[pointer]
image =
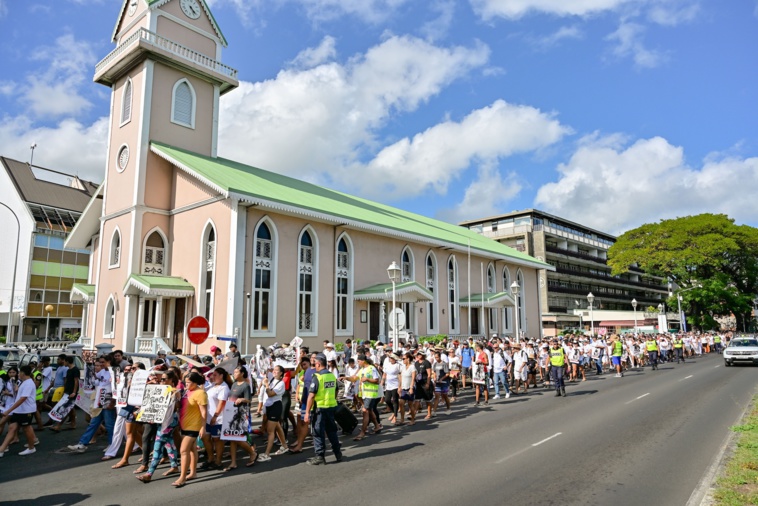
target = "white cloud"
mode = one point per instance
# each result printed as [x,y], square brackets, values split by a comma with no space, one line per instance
[313,56]
[55,91]
[628,39]
[515,9]
[613,186]
[3,8]
[485,196]
[555,38]
[673,13]
[371,11]
[438,27]
[68,146]
[306,121]
[431,160]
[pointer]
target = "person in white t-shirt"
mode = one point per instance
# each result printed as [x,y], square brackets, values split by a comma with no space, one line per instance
[218,394]
[391,383]
[22,413]
[520,370]
[272,401]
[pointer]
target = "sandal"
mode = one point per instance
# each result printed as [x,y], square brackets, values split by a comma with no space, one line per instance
[178,484]
[359,438]
[106,458]
[120,465]
[229,468]
[140,469]
[252,461]
[144,478]
[282,451]
[173,470]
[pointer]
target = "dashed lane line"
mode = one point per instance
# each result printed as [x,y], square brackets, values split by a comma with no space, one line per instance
[547,439]
[687,377]
[637,398]
[516,454]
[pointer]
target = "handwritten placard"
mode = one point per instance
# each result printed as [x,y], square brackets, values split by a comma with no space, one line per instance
[155,404]
[137,390]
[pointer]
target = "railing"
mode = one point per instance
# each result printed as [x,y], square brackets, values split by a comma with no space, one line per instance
[615,279]
[557,309]
[504,230]
[150,345]
[167,45]
[306,322]
[575,237]
[600,294]
[575,254]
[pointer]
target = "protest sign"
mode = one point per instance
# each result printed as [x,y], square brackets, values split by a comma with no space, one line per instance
[236,422]
[229,365]
[121,392]
[89,383]
[191,362]
[102,397]
[155,404]
[137,390]
[86,402]
[142,360]
[61,410]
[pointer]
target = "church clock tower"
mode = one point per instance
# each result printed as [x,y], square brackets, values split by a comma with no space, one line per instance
[166,80]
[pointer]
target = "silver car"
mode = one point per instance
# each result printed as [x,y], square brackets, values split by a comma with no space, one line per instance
[742,350]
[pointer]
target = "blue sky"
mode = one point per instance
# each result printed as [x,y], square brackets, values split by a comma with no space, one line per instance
[608,112]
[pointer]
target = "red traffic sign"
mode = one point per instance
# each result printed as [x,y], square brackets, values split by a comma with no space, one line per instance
[198,329]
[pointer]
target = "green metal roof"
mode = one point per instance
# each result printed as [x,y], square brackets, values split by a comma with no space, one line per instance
[152,285]
[404,292]
[268,189]
[82,292]
[500,299]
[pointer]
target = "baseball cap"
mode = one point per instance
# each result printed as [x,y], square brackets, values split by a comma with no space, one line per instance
[214,348]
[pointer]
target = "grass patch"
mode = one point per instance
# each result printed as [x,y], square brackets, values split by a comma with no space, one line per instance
[738,485]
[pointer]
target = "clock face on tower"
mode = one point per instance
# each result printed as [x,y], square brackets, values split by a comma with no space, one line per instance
[191,8]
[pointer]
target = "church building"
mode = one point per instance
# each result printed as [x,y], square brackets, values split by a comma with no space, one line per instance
[176,231]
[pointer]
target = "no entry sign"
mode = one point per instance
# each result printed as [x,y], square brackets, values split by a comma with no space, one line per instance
[198,329]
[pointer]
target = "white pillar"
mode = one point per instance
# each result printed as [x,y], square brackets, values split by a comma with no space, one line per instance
[140,315]
[171,317]
[158,331]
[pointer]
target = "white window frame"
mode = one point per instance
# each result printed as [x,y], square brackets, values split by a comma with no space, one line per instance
[149,317]
[128,86]
[522,323]
[410,275]
[272,291]
[203,289]
[193,111]
[109,319]
[118,250]
[349,274]
[507,311]
[155,251]
[453,308]
[432,307]
[313,270]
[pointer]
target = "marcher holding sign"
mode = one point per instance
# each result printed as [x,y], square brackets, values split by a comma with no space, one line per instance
[192,421]
[237,422]
[169,395]
[155,403]
[218,394]
[70,391]
[137,388]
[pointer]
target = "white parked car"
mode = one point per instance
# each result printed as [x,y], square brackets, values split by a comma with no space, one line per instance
[742,350]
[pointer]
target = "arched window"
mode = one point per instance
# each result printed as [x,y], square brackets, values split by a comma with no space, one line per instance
[452,290]
[126,103]
[115,253]
[109,323]
[154,257]
[306,283]
[491,288]
[344,281]
[408,274]
[207,272]
[507,311]
[183,104]
[431,282]
[521,298]
[262,315]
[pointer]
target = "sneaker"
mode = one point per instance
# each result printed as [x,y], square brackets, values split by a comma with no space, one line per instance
[78,448]
[2,454]
[263,457]
[507,395]
[36,442]
[28,451]
[316,461]
[497,396]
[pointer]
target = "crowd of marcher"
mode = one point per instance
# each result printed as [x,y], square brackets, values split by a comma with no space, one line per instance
[310,394]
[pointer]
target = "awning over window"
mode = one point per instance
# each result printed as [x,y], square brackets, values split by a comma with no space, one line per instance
[500,299]
[409,291]
[83,293]
[155,286]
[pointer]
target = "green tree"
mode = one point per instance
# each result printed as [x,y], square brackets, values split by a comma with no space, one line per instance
[708,250]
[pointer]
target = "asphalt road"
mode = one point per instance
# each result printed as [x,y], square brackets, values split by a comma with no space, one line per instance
[647,438]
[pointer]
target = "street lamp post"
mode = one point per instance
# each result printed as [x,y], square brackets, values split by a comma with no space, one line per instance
[682,318]
[591,300]
[48,309]
[515,289]
[13,282]
[393,271]
[634,306]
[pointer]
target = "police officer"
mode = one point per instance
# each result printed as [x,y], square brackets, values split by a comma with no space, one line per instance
[679,349]
[617,351]
[652,352]
[322,404]
[717,343]
[557,363]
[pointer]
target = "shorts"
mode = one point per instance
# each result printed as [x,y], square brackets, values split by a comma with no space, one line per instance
[274,412]
[23,419]
[441,388]
[370,404]
[213,430]
[422,394]
[466,371]
[128,413]
[616,360]
[190,433]
[520,375]
[406,395]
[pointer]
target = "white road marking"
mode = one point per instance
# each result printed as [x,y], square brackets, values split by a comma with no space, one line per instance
[688,377]
[511,456]
[638,398]
[547,439]
[717,366]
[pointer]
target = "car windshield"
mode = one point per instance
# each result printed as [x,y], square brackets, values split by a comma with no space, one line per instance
[8,355]
[745,342]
